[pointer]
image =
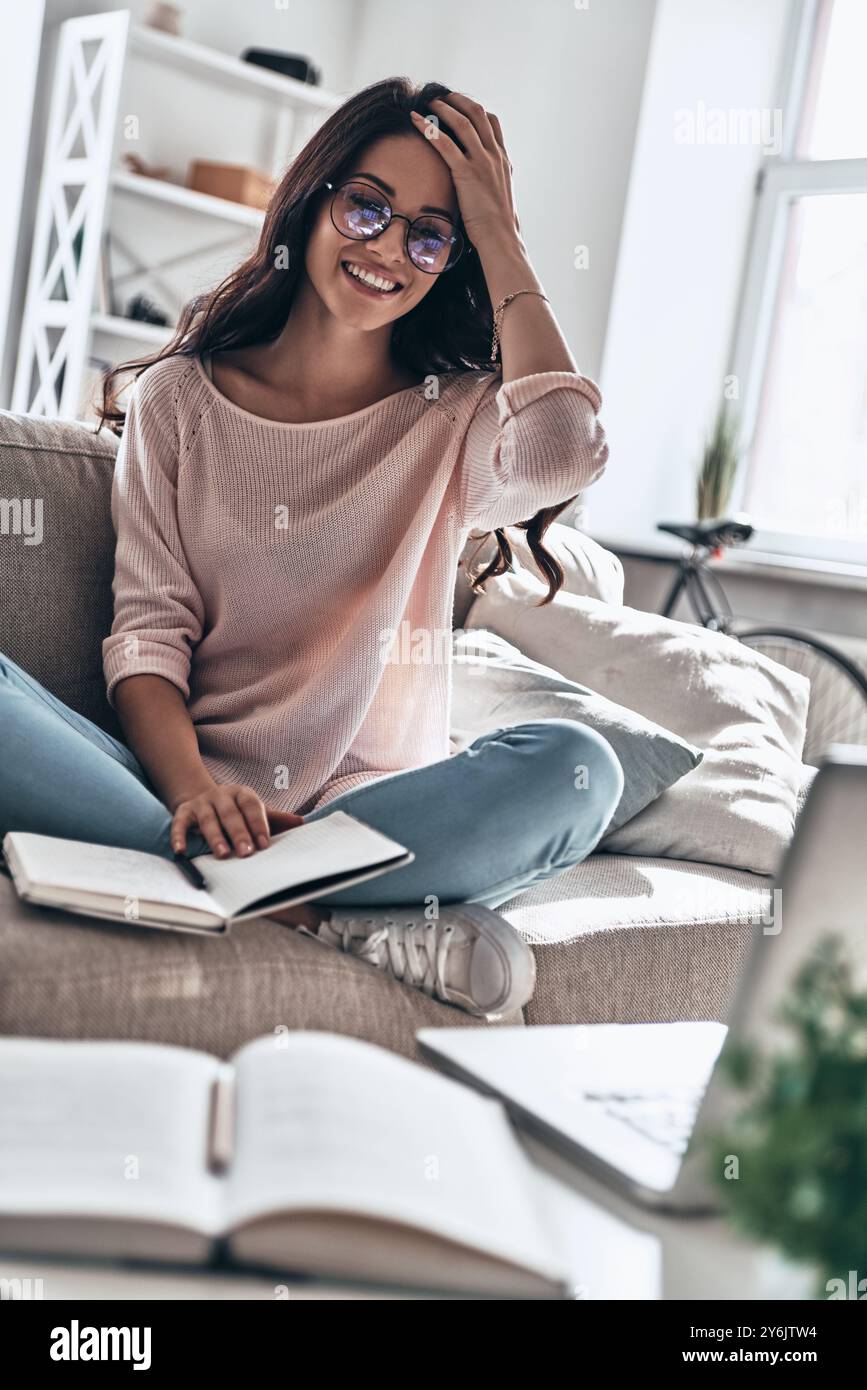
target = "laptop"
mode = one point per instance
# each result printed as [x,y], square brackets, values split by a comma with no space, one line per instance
[635,1104]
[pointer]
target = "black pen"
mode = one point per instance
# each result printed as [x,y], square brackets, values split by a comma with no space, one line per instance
[189,871]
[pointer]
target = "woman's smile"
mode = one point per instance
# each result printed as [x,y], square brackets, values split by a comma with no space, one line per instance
[368,281]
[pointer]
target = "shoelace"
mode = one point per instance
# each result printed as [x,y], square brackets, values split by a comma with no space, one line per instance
[422,964]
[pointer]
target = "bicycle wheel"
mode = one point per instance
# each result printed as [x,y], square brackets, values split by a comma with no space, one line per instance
[838,689]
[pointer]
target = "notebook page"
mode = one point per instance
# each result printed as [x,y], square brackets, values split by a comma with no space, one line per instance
[107,1129]
[123,873]
[337,843]
[332,1122]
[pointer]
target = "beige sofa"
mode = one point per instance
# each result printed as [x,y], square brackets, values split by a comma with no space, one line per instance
[616,939]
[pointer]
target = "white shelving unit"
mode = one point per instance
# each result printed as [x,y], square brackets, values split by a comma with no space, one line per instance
[117,87]
[188,198]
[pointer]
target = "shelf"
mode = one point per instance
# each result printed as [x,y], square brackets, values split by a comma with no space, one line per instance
[246,78]
[162,229]
[189,199]
[115,327]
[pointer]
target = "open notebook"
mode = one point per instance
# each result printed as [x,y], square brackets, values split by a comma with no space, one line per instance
[306,1152]
[127,885]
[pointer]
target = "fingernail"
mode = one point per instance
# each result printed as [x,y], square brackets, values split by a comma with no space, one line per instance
[222,850]
[262,841]
[246,848]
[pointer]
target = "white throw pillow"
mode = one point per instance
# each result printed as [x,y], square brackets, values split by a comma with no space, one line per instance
[588,568]
[747,713]
[495,685]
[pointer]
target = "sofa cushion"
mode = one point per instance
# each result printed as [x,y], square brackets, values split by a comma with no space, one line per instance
[619,939]
[494,685]
[56,603]
[71,977]
[748,715]
[588,569]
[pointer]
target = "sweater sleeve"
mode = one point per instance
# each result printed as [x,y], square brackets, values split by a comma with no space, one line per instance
[532,443]
[158,611]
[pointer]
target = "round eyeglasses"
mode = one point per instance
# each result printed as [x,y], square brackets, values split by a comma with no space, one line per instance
[361,212]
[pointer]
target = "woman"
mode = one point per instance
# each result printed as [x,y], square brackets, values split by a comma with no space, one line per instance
[298,473]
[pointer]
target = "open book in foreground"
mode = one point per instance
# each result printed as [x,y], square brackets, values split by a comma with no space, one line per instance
[127,885]
[306,1153]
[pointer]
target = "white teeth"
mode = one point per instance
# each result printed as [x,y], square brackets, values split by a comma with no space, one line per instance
[367,278]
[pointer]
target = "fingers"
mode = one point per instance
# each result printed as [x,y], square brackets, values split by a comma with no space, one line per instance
[181,822]
[255,816]
[498,131]
[282,820]
[442,143]
[233,821]
[229,818]
[195,813]
[208,822]
[469,119]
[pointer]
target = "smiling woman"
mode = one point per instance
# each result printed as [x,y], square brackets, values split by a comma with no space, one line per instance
[298,473]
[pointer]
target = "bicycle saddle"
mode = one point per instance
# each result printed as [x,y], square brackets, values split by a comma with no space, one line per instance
[735,530]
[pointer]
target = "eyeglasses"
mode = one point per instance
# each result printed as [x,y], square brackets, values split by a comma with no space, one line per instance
[359,211]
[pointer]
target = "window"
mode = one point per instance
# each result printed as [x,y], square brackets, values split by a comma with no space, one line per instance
[801,352]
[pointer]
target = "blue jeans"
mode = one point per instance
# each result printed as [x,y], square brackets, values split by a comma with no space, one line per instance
[518,805]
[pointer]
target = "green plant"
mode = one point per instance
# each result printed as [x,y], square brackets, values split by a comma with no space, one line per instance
[719,465]
[801,1142]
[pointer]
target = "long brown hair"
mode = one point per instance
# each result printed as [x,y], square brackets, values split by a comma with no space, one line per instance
[450,329]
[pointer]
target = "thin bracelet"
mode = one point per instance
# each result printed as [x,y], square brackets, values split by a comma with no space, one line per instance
[498,313]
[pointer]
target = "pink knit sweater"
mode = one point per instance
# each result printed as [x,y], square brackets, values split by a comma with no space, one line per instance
[295,581]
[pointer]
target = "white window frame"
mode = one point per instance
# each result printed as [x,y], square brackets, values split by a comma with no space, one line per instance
[781,180]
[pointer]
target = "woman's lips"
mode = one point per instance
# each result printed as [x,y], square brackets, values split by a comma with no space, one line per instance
[369,290]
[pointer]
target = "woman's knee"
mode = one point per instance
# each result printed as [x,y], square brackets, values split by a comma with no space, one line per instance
[574,761]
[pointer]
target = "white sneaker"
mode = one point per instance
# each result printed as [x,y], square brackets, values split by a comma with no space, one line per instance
[469,956]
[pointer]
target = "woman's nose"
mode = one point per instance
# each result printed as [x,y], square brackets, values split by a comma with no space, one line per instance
[391,243]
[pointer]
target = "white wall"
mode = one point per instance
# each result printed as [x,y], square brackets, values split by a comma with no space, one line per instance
[566,84]
[681,257]
[323,30]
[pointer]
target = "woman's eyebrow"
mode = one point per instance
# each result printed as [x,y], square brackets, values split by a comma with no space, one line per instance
[374,178]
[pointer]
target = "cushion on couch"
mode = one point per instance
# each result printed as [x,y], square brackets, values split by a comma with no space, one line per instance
[619,939]
[747,713]
[56,602]
[494,684]
[588,569]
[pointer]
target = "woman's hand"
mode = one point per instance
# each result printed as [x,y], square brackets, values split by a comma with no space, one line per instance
[530,337]
[483,175]
[229,817]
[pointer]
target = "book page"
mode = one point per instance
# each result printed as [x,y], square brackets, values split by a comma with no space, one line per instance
[337,843]
[125,874]
[332,1123]
[108,1129]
